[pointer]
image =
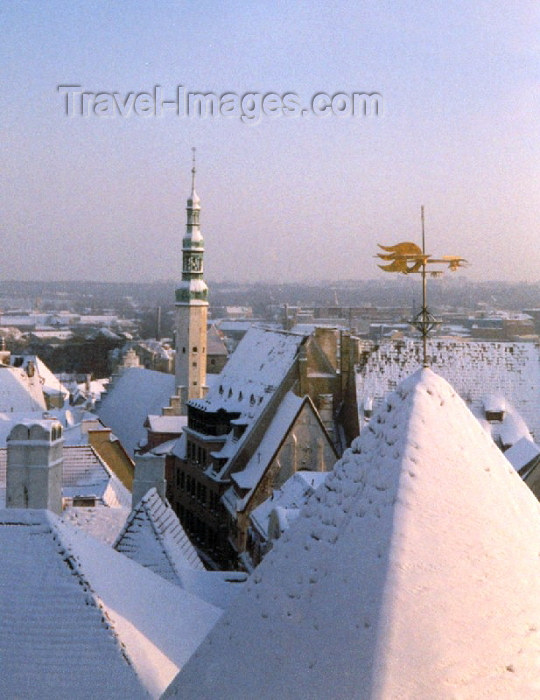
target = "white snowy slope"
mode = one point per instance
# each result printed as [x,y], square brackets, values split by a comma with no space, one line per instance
[136,394]
[412,572]
[80,620]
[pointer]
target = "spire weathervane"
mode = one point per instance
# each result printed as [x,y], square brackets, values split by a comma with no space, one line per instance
[408,258]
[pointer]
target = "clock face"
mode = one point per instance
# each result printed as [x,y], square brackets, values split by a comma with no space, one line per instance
[193,264]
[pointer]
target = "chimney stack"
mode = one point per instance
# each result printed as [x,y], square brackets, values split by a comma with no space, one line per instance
[35,465]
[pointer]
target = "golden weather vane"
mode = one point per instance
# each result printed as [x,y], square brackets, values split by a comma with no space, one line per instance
[408,258]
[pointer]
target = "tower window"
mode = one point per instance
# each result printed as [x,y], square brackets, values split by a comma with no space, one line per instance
[194,348]
[184,350]
[194,364]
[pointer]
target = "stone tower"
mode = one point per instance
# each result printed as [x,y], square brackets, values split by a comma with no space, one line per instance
[191,308]
[35,465]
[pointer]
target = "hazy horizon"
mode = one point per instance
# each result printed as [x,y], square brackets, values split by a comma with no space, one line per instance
[287,199]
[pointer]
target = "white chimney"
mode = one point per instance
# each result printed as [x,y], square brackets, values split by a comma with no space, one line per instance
[149,473]
[35,465]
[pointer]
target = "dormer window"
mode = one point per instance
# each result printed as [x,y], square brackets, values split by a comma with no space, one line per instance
[495,416]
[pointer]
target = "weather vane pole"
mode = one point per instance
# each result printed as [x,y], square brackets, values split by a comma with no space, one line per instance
[408,258]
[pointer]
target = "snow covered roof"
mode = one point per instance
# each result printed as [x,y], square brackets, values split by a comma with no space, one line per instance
[255,369]
[19,392]
[287,500]
[166,424]
[49,382]
[474,369]
[81,620]
[281,422]
[154,537]
[413,571]
[134,395]
[84,474]
[502,421]
[214,342]
[522,453]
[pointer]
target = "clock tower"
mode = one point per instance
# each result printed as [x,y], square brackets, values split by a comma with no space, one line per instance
[191,308]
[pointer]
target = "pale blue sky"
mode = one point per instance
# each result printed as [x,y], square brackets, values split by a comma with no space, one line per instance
[285,199]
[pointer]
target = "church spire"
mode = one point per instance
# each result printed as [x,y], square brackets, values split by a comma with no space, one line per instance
[193,199]
[191,306]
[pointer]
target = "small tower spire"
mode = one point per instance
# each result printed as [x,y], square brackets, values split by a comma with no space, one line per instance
[193,169]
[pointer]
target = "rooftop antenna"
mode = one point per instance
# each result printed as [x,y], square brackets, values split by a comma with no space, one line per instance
[408,258]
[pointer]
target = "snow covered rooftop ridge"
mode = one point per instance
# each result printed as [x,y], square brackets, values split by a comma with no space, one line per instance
[154,537]
[257,366]
[413,571]
[474,368]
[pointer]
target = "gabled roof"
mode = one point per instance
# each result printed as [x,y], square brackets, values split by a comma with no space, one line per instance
[248,478]
[256,368]
[413,571]
[214,342]
[281,423]
[154,537]
[134,395]
[80,620]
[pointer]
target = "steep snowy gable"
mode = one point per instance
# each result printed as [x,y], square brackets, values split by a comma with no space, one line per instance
[413,571]
[154,537]
[474,368]
[133,396]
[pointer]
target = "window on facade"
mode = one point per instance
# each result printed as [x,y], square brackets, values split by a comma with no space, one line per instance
[194,364]
[194,348]
[184,351]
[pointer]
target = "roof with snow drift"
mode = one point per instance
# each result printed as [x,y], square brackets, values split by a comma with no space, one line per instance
[413,571]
